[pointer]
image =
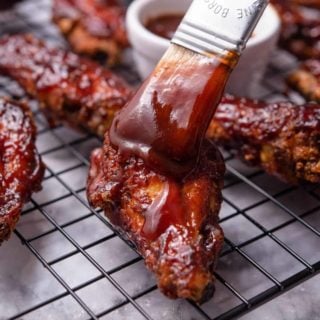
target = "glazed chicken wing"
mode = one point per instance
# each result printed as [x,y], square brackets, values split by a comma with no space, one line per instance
[174,224]
[159,180]
[21,169]
[92,27]
[180,248]
[306,80]
[281,138]
[300,35]
[69,88]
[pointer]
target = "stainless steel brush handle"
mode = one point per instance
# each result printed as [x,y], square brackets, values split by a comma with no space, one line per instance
[214,26]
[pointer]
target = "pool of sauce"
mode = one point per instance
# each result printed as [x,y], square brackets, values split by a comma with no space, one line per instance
[165,25]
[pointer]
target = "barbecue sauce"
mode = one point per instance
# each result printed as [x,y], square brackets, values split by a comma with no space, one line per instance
[166,121]
[165,25]
[158,217]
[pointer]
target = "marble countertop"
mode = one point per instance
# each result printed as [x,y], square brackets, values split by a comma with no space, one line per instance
[300,303]
[25,283]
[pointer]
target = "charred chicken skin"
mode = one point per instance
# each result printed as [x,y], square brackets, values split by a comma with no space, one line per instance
[69,88]
[300,35]
[92,27]
[174,225]
[306,80]
[281,138]
[21,169]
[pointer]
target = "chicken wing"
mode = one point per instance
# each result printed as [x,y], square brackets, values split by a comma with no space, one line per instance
[281,138]
[159,180]
[57,79]
[21,169]
[300,35]
[174,224]
[306,80]
[70,89]
[92,27]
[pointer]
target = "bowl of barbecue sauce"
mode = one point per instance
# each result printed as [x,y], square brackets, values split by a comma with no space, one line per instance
[164,25]
[151,24]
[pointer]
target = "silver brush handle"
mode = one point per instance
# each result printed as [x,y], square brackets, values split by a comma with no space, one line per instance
[216,26]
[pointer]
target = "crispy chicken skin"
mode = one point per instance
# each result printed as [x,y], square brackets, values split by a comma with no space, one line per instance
[21,169]
[174,224]
[306,80]
[92,27]
[299,35]
[70,89]
[284,139]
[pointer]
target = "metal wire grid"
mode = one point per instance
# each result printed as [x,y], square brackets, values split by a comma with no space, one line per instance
[250,217]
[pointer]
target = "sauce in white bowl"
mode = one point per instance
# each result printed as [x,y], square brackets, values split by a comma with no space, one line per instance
[149,46]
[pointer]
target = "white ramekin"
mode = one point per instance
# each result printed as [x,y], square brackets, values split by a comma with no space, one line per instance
[148,48]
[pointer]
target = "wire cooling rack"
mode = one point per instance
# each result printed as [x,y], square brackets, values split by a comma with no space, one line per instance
[71,264]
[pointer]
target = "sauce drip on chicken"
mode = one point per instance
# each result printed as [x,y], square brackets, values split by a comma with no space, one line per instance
[158,216]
